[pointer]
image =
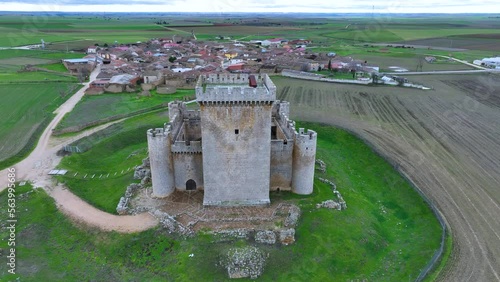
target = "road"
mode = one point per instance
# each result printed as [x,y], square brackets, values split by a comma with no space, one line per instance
[43,158]
[444,72]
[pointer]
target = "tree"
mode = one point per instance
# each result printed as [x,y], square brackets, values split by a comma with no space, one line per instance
[172,59]
[330,65]
[105,45]
[304,67]
[420,62]
[82,74]
[374,78]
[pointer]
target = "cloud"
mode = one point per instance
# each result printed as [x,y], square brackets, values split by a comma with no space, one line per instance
[221,6]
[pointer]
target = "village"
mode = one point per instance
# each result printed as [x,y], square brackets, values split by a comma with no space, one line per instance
[166,64]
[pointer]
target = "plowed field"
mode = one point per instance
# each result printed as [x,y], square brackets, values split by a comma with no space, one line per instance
[446,141]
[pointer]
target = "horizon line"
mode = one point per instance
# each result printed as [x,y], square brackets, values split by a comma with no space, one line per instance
[198,12]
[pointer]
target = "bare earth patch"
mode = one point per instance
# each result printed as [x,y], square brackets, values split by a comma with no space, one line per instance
[187,209]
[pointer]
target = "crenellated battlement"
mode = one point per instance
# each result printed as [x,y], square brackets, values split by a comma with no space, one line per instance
[157,132]
[305,137]
[234,88]
[193,147]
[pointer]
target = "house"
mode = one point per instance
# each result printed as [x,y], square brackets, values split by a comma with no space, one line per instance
[231,55]
[99,83]
[151,76]
[92,50]
[235,67]
[79,65]
[121,83]
[272,42]
[313,66]
[268,68]
[430,59]
[491,62]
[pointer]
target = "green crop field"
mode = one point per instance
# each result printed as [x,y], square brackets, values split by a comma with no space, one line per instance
[38,76]
[387,231]
[24,108]
[95,108]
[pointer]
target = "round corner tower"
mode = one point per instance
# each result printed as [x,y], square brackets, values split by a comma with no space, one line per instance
[304,158]
[162,168]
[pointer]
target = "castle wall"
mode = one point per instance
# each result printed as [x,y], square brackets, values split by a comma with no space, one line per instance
[188,166]
[281,165]
[304,157]
[192,129]
[162,168]
[236,153]
[234,88]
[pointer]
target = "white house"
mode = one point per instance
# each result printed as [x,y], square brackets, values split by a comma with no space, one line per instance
[272,42]
[491,62]
[92,50]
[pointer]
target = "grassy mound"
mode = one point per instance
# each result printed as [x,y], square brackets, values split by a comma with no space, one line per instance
[387,233]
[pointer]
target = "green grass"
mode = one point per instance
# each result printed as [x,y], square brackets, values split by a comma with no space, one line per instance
[59,67]
[38,54]
[34,77]
[115,150]
[94,108]
[336,75]
[387,233]
[24,108]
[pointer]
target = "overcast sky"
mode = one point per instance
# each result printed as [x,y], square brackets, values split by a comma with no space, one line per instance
[224,6]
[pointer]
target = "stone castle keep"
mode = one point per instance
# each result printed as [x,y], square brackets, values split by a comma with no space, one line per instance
[239,146]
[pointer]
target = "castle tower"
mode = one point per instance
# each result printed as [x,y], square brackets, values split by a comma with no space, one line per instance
[304,158]
[236,133]
[162,169]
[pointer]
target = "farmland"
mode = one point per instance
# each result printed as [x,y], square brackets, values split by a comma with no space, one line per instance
[26,107]
[445,141]
[28,98]
[94,108]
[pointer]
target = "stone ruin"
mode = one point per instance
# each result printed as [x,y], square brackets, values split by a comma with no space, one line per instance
[244,262]
[337,204]
[142,172]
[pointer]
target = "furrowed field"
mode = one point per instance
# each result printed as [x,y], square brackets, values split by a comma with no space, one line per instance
[446,141]
[28,98]
[92,109]
[26,110]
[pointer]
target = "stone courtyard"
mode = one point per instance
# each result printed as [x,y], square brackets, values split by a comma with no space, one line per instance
[186,208]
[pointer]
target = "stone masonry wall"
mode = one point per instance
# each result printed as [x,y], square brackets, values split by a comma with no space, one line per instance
[236,153]
[188,166]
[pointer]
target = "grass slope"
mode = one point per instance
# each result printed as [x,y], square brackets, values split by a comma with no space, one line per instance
[113,150]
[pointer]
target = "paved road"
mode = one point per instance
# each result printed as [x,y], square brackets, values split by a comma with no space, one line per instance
[36,166]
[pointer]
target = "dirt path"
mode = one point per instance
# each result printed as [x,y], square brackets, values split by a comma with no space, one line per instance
[82,212]
[36,166]
[447,142]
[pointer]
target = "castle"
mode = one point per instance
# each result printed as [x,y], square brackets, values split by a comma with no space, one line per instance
[239,146]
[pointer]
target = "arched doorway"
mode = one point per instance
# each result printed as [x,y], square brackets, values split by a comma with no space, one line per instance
[190,185]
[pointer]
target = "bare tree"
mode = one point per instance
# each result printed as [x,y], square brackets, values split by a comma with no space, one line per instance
[420,62]
[82,74]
